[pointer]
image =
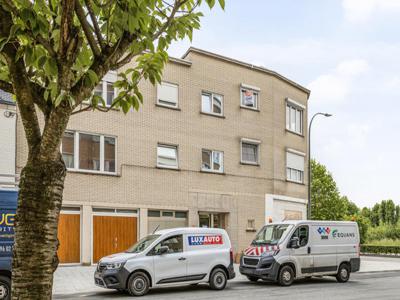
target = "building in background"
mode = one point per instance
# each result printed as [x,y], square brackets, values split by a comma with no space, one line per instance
[219,143]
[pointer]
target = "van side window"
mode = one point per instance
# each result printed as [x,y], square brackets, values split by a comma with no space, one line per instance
[302,233]
[174,243]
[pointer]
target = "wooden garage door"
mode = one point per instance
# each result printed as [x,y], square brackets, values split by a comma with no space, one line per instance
[69,236]
[112,235]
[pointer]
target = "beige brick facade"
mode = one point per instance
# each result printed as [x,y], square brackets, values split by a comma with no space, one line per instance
[240,191]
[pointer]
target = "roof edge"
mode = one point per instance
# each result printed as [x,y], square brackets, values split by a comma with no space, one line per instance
[179,61]
[247,65]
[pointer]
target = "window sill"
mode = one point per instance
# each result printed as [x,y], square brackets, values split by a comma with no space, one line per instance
[88,172]
[168,107]
[296,182]
[212,172]
[168,168]
[294,132]
[212,115]
[250,163]
[250,108]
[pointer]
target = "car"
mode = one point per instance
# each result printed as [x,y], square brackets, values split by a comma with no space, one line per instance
[170,257]
[283,252]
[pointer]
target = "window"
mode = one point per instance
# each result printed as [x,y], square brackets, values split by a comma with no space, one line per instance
[249,96]
[89,152]
[212,103]
[181,214]
[250,151]
[174,243]
[153,213]
[167,94]
[251,224]
[167,156]
[295,166]
[294,116]
[106,90]
[212,161]
[168,214]
[302,233]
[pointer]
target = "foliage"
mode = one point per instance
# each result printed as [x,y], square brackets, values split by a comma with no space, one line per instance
[374,249]
[383,232]
[384,242]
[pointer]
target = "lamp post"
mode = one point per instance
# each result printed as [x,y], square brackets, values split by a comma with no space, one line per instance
[309,161]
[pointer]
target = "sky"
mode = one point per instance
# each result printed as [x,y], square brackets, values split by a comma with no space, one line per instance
[348,53]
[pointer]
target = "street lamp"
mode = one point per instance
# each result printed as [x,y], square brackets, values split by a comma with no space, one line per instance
[309,161]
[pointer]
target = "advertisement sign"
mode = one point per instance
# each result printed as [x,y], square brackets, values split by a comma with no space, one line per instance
[200,240]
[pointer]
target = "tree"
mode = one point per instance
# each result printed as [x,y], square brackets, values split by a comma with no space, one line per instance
[325,198]
[366,213]
[390,216]
[352,208]
[397,214]
[375,214]
[52,55]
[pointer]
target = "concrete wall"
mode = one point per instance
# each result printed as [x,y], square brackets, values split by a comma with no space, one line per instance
[8,119]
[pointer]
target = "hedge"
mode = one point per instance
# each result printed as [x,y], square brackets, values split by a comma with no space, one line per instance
[373,249]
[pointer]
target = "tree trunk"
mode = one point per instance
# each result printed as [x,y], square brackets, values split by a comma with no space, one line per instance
[36,243]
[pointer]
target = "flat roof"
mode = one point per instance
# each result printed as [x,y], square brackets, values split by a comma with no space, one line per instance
[247,65]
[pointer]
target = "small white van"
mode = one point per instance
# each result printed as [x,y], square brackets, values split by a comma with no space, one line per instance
[283,252]
[170,257]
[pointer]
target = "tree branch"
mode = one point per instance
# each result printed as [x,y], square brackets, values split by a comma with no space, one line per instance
[6,86]
[86,28]
[95,24]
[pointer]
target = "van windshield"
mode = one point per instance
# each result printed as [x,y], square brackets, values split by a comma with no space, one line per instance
[143,244]
[272,234]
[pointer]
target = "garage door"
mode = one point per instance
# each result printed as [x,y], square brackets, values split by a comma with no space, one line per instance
[112,234]
[69,237]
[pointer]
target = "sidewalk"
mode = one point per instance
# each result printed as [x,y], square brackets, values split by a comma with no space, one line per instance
[78,279]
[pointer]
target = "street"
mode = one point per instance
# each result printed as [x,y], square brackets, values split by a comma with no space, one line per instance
[374,285]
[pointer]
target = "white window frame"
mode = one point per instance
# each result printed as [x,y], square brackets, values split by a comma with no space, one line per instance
[302,173]
[177,156]
[291,104]
[164,103]
[253,142]
[76,153]
[110,77]
[211,94]
[255,90]
[212,170]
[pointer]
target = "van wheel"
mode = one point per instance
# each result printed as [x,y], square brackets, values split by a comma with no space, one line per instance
[286,276]
[252,279]
[343,274]
[138,284]
[5,288]
[218,279]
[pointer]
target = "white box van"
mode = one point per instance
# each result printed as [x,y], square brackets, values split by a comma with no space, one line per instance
[170,257]
[282,252]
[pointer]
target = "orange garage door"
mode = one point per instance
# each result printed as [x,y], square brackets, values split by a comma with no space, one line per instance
[112,234]
[69,237]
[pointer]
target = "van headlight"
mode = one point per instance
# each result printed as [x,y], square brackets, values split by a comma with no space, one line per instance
[114,266]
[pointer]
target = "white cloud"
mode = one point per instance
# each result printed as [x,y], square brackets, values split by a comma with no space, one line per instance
[335,86]
[359,11]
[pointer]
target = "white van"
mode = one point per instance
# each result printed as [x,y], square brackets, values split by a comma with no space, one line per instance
[282,252]
[170,257]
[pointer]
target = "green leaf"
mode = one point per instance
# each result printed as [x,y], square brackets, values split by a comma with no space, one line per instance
[92,77]
[50,67]
[222,3]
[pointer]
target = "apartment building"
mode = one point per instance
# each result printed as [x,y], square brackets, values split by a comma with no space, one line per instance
[219,143]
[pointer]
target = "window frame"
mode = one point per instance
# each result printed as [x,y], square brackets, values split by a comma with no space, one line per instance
[251,142]
[109,78]
[302,173]
[294,232]
[102,153]
[255,90]
[177,156]
[212,94]
[292,104]
[153,252]
[164,103]
[212,170]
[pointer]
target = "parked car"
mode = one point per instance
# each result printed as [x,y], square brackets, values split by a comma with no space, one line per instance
[8,206]
[170,257]
[283,252]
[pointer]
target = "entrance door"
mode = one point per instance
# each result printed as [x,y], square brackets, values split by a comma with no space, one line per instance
[69,237]
[302,255]
[112,234]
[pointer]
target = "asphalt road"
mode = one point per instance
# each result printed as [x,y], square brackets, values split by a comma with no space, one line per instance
[379,285]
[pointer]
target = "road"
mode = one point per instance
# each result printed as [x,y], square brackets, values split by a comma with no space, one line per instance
[378,285]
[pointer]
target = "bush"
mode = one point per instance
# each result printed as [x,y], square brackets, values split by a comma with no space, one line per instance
[373,249]
[383,232]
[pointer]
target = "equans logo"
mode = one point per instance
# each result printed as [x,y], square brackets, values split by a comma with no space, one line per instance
[199,240]
[337,234]
[324,230]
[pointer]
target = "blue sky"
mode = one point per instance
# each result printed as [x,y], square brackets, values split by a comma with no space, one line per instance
[348,53]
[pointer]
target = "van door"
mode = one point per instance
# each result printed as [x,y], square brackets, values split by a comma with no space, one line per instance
[302,256]
[324,249]
[170,267]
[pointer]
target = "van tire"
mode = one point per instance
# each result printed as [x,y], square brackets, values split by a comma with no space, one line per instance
[5,288]
[286,276]
[343,274]
[252,278]
[218,279]
[138,284]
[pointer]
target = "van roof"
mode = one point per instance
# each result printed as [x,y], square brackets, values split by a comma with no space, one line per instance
[193,230]
[297,222]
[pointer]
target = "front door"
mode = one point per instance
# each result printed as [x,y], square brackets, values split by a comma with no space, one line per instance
[170,267]
[304,260]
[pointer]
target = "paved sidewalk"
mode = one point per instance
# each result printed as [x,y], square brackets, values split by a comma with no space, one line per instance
[78,279]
